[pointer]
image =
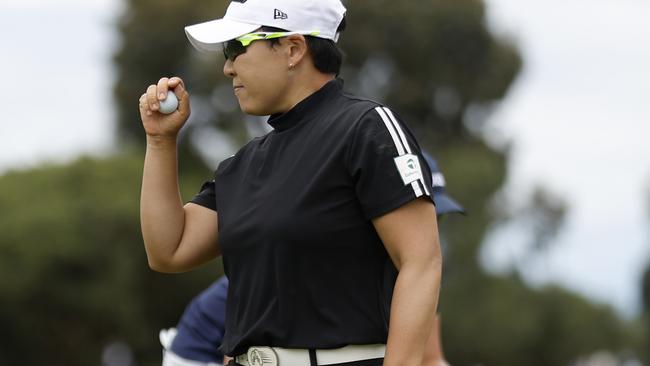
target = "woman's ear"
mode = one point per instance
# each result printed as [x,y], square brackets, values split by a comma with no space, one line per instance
[296,49]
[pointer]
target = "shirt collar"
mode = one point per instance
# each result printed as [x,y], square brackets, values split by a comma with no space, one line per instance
[284,121]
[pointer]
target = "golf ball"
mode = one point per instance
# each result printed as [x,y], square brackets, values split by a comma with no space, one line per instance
[169,104]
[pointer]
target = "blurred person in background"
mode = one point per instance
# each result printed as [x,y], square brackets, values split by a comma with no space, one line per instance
[196,338]
[326,224]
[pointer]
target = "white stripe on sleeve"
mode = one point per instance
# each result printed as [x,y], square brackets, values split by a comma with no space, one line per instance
[416,188]
[404,141]
[391,130]
[400,148]
[398,128]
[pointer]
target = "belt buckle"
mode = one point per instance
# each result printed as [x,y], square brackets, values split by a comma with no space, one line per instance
[262,356]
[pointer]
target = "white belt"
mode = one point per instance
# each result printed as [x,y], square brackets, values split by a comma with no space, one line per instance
[275,356]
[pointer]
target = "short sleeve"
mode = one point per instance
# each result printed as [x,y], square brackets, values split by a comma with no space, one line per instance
[386,163]
[206,196]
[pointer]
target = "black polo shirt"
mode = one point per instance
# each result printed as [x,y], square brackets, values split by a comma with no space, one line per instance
[306,266]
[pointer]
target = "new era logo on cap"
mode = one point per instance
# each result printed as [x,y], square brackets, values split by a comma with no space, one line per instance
[279,14]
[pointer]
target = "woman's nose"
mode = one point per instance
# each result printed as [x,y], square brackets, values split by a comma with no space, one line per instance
[228,69]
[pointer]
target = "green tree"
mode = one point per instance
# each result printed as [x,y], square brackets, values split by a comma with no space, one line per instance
[504,322]
[433,61]
[73,272]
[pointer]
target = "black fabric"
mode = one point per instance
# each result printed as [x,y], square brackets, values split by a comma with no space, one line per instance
[205,197]
[306,266]
[313,361]
[372,362]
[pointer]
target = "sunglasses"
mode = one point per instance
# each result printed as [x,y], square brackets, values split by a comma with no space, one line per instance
[237,46]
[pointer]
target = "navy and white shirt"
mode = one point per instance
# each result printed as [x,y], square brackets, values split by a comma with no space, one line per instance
[306,267]
[200,329]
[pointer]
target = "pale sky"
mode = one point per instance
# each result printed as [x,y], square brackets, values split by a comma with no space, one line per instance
[58,78]
[577,119]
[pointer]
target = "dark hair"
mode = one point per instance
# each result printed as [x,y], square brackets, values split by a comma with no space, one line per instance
[326,54]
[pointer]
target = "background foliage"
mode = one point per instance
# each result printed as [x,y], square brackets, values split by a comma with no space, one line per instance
[73,272]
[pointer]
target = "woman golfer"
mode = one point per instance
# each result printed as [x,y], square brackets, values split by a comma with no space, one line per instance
[326,224]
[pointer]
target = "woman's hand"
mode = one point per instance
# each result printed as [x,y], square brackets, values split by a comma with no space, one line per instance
[164,126]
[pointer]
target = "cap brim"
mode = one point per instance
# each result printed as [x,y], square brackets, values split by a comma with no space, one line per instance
[446,204]
[210,35]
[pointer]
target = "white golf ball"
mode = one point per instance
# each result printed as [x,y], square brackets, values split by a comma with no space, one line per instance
[169,104]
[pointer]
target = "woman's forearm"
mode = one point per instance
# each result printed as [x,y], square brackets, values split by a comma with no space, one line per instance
[415,298]
[161,207]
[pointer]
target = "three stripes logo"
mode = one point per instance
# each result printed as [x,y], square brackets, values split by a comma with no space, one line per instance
[279,14]
[407,163]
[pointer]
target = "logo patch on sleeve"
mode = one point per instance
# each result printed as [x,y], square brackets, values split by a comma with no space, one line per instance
[408,166]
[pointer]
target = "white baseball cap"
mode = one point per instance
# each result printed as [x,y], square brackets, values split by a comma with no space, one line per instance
[318,17]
